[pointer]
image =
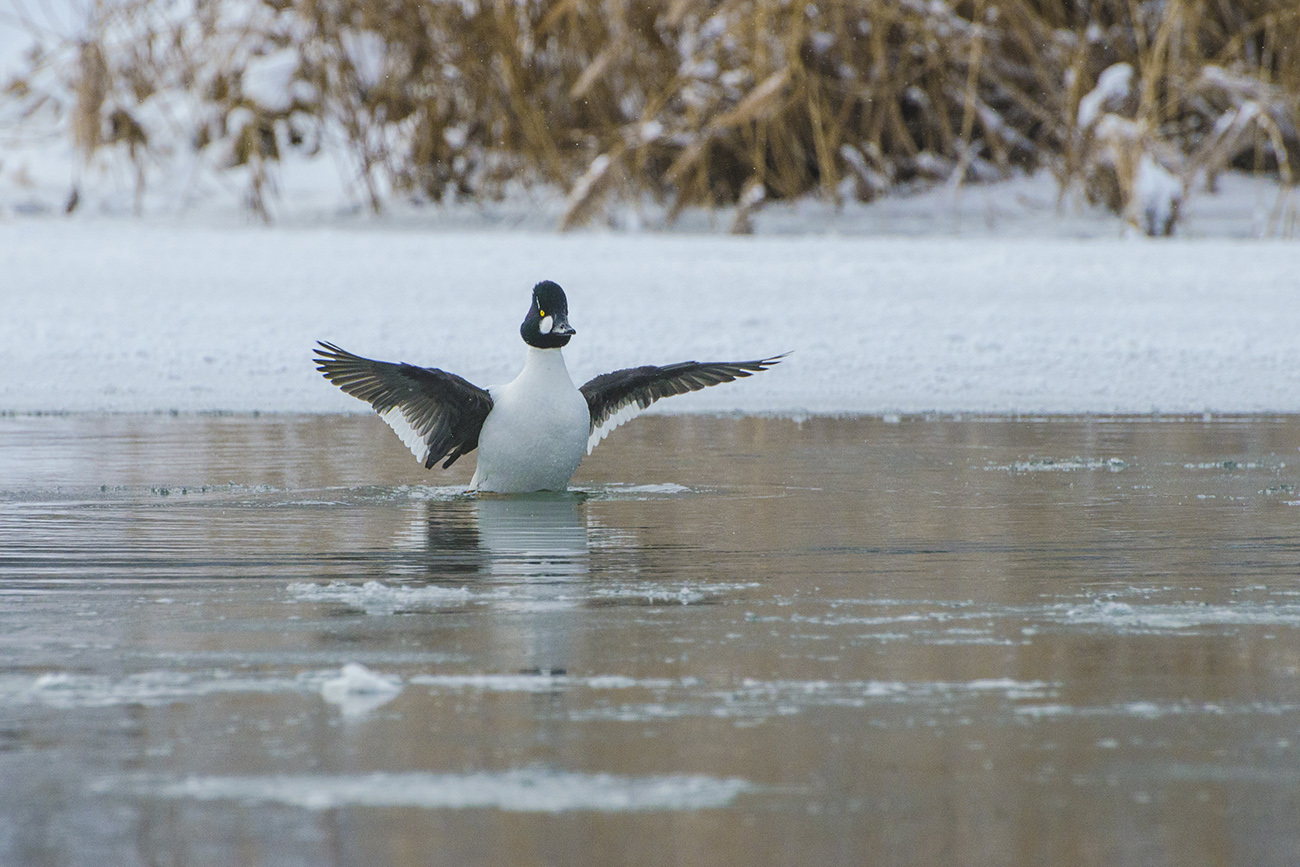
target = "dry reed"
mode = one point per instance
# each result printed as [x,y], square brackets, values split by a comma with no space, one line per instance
[706,102]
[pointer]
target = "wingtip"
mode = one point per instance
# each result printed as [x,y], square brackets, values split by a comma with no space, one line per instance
[326,354]
[770,361]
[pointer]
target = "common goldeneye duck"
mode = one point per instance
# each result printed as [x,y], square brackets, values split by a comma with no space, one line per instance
[531,433]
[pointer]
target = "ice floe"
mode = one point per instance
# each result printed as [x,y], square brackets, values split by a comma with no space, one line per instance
[357,690]
[535,790]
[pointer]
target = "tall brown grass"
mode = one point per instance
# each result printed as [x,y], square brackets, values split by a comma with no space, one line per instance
[711,102]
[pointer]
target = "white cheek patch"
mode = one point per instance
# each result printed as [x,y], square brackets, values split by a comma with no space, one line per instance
[547,324]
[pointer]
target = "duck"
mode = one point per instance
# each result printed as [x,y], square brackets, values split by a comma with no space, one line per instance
[533,432]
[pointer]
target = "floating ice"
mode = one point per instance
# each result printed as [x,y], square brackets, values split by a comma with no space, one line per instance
[1152,710]
[686,594]
[540,682]
[375,597]
[495,682]
[358,690]
[1061,465]
[537,790]
[641,492]
[848,692]
[67,690]
[752,700]
[1180,616]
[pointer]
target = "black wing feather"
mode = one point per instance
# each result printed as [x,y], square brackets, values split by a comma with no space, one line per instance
[446,411]
[610,393]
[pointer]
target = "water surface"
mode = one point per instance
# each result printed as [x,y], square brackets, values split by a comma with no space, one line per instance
[277,640]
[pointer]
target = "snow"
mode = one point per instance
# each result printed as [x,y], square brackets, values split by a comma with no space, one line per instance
[1157,196]
[995,298]
[1113,85]
[268,80]
[137,316]
[366,50]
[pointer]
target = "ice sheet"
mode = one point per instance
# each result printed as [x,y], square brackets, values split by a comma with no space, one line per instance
[125,316]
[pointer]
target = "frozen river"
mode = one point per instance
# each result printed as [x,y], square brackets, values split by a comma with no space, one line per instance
[744,641]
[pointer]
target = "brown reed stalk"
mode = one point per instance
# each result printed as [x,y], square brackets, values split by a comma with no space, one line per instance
[703,102]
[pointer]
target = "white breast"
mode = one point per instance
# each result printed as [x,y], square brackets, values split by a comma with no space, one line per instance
[536,434]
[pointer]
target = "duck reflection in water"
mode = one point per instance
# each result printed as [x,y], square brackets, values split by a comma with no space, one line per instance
[527,552]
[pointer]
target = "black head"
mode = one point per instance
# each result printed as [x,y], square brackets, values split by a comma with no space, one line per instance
[547,324]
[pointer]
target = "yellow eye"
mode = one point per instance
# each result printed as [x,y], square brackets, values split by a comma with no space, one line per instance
[541,312]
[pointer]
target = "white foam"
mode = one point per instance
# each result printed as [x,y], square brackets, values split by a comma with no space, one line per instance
[535,790]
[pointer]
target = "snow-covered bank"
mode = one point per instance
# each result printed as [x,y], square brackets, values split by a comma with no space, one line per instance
[128,316]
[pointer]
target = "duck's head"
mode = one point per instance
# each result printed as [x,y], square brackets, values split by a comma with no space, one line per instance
[547,324]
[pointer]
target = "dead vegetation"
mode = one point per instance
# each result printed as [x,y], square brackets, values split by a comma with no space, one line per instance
[697,103]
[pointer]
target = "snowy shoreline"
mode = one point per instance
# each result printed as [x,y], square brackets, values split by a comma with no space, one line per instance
[134,316]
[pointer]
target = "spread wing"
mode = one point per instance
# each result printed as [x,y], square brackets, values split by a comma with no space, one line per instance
[618,397]
[437,414]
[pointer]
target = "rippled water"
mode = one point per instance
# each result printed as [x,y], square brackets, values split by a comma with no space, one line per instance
[276,640]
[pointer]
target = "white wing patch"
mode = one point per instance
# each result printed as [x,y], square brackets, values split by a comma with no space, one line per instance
[406,432]
[605,428]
